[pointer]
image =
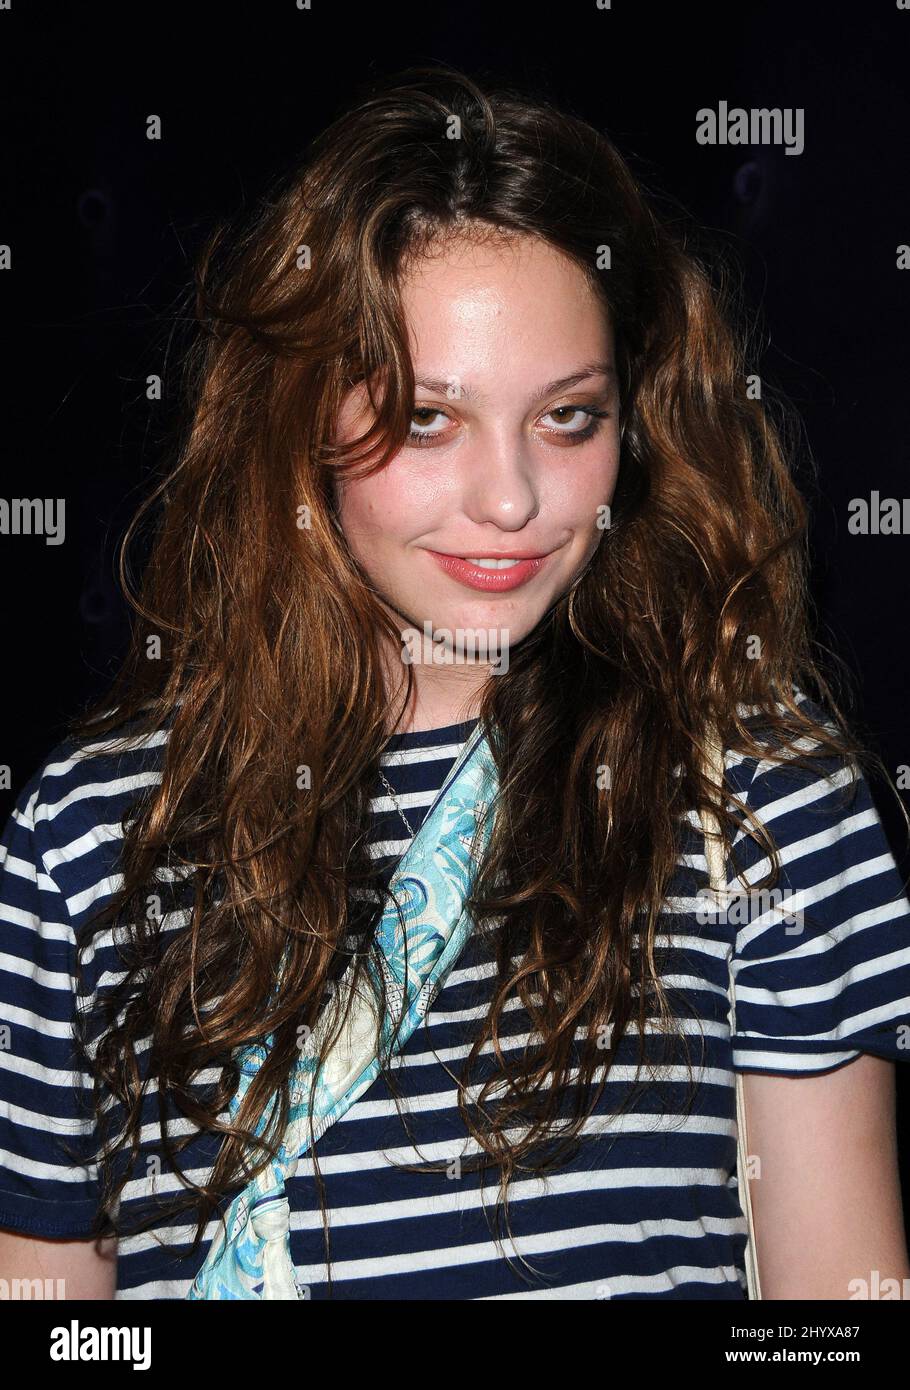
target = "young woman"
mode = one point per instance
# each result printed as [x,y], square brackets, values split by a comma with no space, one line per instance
[369,913]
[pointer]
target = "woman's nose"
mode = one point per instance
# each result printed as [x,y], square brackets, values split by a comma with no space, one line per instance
[498,482]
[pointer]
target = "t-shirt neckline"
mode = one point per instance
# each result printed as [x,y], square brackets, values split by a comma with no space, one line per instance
[429,738]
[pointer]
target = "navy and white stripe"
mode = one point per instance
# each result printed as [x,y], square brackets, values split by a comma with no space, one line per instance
[647,1207]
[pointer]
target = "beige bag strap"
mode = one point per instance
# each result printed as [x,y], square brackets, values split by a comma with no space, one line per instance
[714,854]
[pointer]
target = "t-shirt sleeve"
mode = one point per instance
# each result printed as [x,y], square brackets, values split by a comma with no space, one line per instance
[48,1183]
[821,970]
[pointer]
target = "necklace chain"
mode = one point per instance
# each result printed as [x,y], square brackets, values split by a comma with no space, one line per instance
[390,789]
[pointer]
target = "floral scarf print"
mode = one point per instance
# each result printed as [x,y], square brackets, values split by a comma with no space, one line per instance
[417,951]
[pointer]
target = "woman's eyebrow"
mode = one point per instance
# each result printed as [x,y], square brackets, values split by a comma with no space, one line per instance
[442,385]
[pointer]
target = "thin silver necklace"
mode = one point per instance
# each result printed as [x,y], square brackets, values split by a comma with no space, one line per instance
[391,792]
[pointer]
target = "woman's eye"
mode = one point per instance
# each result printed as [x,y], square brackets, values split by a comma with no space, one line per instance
[421,434]
[569,429]
[568,412]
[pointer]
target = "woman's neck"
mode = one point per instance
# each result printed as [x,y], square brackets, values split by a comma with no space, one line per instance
[440,696]
[449,692]
[435,710]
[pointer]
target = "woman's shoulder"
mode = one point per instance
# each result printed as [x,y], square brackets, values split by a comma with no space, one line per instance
[814,801]
[821,944]
[68,817]
[811,826]
[777,769]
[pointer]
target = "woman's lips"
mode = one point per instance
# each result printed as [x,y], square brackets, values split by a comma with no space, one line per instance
[492,580]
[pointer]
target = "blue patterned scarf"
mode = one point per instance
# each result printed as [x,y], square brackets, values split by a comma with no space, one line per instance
[431,882]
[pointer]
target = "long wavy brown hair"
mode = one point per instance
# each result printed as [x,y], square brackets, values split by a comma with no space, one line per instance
[271,640]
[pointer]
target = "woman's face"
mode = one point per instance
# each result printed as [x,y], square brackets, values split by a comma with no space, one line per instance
[512,356]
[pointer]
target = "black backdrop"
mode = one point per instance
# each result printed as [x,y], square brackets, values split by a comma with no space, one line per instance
[103,225]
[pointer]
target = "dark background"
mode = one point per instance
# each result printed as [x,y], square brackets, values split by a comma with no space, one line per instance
[104,225]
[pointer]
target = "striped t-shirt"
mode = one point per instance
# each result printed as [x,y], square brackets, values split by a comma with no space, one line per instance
[647,1207]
